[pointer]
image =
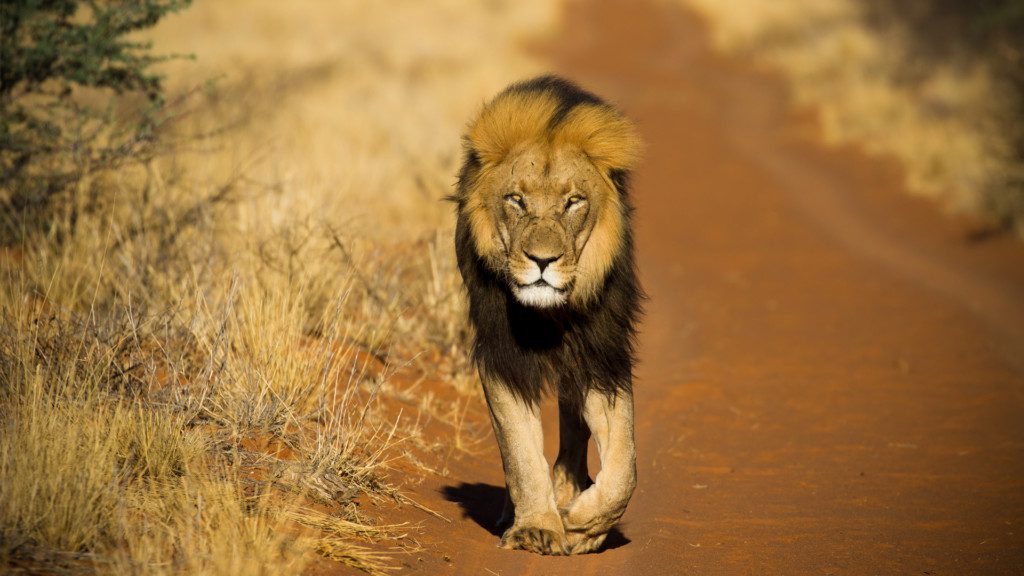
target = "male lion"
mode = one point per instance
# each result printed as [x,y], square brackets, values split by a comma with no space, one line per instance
[546,253]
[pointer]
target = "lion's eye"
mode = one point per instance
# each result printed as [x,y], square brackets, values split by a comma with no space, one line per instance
[573,201]
[516,199]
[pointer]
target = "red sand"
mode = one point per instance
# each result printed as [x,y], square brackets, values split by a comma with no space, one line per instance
[831,373]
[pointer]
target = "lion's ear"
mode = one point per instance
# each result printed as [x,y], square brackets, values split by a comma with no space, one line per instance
[510,119]
[603,134]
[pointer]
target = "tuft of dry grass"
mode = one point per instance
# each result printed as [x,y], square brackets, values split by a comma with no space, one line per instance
[195,371]
[207,525]
[951,117]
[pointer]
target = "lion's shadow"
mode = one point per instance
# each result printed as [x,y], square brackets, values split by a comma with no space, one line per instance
[482,503]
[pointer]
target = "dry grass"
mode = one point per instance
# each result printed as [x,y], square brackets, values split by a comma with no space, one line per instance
[121,458]
[347,121]
[950,115]
[194,372]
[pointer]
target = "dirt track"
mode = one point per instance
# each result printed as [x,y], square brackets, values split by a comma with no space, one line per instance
[831,375]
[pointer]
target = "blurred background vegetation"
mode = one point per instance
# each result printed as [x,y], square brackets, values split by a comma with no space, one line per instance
[937,84]
[77,97]
[981,34]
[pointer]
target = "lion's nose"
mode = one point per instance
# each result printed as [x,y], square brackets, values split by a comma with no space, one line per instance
[542,262]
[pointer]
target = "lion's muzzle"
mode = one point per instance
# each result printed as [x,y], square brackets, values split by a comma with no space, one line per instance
[542,272]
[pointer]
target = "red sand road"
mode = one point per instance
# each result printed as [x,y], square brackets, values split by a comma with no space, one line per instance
[831,373]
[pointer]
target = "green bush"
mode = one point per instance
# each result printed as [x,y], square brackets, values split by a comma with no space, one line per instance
[76,98]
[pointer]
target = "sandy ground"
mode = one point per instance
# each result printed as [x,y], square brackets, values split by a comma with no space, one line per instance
[831,374]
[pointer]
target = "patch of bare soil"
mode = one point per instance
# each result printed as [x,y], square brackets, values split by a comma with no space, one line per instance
[831,376]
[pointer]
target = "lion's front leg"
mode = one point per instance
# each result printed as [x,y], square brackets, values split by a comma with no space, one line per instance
[596,510]
[537,526]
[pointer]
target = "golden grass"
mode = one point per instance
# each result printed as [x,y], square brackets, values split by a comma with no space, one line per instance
[130,474]
[195,367]
[953,124]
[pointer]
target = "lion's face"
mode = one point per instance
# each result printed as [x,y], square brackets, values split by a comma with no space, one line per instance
[541,209]
[536,191]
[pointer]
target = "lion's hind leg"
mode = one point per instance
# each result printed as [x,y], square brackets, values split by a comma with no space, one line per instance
[537,526]
[508,512]
[598,508]
[570,471]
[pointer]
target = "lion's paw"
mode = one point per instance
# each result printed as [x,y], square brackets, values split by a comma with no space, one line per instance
[581,543]
[534,539]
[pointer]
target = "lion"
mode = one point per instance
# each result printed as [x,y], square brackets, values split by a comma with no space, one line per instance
[545,249]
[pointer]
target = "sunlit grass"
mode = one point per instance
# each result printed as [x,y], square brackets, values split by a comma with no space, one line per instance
[195,371]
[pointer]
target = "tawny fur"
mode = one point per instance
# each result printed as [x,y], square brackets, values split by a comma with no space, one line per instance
[514,122]
[545,249]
